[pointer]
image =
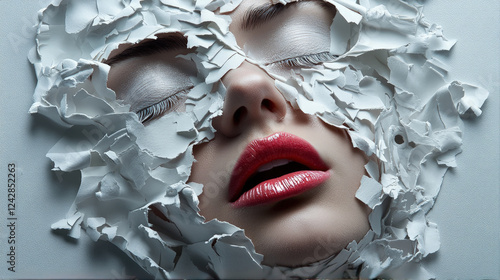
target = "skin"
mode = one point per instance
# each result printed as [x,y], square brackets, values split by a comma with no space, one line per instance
[302,229]
[292,232]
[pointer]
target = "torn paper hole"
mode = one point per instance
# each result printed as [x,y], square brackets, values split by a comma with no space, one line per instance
[134,190]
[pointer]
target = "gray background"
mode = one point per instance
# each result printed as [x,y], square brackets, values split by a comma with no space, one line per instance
[467,209]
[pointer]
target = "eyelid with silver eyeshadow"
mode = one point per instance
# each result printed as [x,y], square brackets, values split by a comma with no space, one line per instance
[162,107]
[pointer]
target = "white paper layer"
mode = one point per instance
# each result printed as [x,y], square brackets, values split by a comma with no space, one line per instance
[396,101]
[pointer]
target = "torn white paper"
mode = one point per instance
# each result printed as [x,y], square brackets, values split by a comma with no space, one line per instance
[385,89]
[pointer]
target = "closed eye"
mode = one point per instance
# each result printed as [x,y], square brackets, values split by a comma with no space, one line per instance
[161,108]
[308,60]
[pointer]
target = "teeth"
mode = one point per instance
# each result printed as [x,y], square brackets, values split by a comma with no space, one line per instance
[273,164]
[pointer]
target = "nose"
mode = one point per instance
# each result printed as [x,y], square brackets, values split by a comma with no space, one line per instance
[251,100]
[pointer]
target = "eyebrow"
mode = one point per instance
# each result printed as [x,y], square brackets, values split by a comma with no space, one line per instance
[150,47]
[264,13]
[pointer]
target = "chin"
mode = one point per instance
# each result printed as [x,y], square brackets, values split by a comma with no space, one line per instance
[306,237]
[300,252]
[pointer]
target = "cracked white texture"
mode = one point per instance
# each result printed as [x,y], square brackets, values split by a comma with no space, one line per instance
[133,190]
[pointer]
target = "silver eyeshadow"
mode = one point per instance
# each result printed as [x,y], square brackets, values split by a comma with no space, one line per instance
[145,81]
[302,30]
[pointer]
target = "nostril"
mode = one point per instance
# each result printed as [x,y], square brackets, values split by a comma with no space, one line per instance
[239,114]
[268,104]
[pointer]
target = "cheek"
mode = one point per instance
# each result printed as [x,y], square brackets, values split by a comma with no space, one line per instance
[352,167]
[211,170]
[348,168]
[336,146]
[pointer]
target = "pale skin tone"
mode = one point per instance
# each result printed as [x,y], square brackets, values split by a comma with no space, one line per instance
[295,231]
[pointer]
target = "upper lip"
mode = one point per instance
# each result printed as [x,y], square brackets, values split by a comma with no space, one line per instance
[278,146]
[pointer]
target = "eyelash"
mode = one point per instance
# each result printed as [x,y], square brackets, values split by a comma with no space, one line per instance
[307,60]
[152,112]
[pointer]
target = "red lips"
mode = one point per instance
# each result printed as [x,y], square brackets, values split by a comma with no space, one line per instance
[274,168]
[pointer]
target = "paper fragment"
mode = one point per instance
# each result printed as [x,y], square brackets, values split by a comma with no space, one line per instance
[371,192]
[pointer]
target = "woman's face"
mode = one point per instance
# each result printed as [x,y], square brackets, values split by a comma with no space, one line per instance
[285,177]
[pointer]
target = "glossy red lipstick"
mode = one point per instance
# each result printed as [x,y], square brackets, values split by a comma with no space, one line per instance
[280,150]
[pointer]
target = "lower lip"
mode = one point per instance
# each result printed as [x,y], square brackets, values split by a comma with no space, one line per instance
[281,188]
